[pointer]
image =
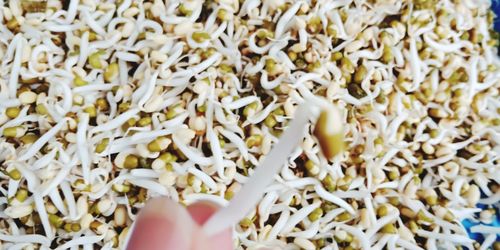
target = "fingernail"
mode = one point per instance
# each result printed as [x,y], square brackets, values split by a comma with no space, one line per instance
[158,226]
[202,211]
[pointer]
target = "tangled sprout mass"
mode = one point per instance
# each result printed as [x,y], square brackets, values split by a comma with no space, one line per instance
[105,104]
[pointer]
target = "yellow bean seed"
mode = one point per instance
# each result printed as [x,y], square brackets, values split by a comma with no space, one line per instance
[111,72]
[95,60]
[200,37]
[12,112]
[246,222]
[270,121]
[131,161]
[78,81]
[29,138]
[382,210]
[360,74]
[184,10]
[344,216]
[254,140]
[331,143]
[145,121]
[91,110]
[389,229]
[21,194]
[41,109]
[223,15]
[315,214]
[102,145]
[10,132]
[55,220]
[15,174]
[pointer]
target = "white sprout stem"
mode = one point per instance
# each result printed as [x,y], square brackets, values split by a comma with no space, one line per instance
[255,48]
[150,135]
[260,116]
[269,84]
[57,179]
[117,122]
[280,223]
[16,66]
[334,199]
[473,76]
[27,238]
[31,179]
[298,216]
[213,139]
[266,203]
[70,199]
[72,8]
[365,244]
[381,223]
[81,142]
[237,141]
[35,147]
[126,56]
[285,19]
[92,23]
[447,48]
[253,190]
[40,206]
[485,229]
[92,88]
[302,182]
[5,103]
[195,197]
[68,97]
[309,233]
[150,185]
[242,102]
[150,86]
[144,173]
[84,45]
[203,177]
[84,240]
[382,242]
[12,188]
[490,239]
[495,198]
[193,155]
[461,239]
[415,63]
[56,199]
[407,245]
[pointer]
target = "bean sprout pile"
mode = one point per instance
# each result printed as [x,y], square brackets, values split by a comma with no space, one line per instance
[106,104]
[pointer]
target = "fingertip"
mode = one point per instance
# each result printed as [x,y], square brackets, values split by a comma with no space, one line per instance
[220,241]
[223,240]
[161,224]
[201,212]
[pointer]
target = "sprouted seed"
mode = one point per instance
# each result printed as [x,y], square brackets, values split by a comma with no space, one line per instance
[106,104]
[328,131]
